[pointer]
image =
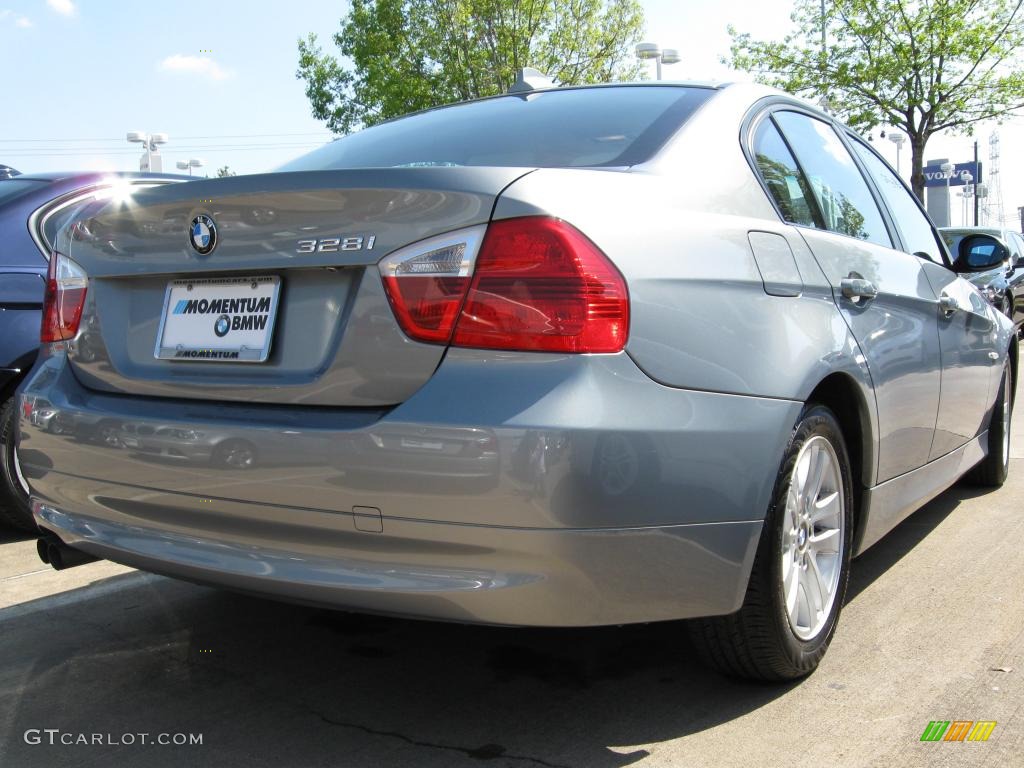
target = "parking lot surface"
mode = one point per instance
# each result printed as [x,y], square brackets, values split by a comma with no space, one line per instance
[933,630]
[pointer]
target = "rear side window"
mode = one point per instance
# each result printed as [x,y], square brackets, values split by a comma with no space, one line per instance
[782,176]
[915,229]
[584,127]
[843,195]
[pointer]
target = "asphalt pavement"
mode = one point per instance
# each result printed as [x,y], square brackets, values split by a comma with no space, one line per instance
[99,655]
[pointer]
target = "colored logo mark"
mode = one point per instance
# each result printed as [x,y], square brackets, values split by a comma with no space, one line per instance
[203,234]
[958,730]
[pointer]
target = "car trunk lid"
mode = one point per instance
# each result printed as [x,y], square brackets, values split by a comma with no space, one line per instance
[301,248]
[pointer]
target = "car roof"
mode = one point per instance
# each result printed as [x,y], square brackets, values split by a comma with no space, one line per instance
[705,84]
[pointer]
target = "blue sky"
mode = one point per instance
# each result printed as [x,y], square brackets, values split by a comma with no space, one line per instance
[219,78]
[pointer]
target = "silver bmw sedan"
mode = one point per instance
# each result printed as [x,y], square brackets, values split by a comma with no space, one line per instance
[562,357]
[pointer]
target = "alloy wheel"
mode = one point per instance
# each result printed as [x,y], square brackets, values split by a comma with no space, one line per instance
[813,538]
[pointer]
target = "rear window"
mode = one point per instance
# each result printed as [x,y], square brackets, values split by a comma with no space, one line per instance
[12,188]
[571,128]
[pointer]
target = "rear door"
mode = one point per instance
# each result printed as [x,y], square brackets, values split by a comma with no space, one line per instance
[882,292]
[967,331]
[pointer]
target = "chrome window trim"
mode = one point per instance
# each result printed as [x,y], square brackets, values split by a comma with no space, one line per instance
[764,109]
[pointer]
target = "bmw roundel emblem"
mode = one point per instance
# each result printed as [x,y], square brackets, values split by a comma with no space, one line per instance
[222,326]
[203,234]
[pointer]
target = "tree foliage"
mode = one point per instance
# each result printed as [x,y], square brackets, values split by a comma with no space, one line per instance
[399,56]
[225,171]
[923,66]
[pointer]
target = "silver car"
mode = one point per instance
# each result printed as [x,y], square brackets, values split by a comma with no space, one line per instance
[577,356]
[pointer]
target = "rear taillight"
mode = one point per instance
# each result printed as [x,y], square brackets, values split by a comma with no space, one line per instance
[541,285]
[538,285]
[66,283]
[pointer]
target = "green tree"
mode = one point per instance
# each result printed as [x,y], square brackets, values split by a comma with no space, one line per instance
[923,66]
[404,55]
[225,171]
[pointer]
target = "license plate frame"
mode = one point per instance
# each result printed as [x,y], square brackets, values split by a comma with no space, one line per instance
[210,348]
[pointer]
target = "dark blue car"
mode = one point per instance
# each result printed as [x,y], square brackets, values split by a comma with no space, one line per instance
[32,208]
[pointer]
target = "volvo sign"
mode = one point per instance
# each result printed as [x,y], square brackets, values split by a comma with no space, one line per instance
[934,177]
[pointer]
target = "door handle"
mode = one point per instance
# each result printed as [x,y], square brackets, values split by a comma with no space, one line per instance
[857,288]
[948,305]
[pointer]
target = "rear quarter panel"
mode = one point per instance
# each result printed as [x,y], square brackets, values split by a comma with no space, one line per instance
[700,315]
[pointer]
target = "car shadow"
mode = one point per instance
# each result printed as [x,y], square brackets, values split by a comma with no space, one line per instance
[904,537]
[9,535]
[292,685]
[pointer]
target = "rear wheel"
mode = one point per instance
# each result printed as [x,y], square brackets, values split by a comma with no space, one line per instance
[798,581]
[994,468]
[14,507]
[235,454]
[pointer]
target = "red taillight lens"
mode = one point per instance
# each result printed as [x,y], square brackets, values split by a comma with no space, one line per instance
[541,285]
[427,282]
[427,307]
[538,285]
[64,300]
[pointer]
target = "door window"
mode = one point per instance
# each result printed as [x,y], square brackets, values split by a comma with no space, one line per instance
[786,184]
[914,226]
[842,194]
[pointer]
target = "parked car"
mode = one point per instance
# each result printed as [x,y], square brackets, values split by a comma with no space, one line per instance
[6,172]
[1003,285]
[32,208]
[700,400]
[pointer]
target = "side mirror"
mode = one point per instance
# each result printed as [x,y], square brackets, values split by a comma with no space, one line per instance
[978,253]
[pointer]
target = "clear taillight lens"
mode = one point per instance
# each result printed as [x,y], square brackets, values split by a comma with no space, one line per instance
[66,283]
[427,282]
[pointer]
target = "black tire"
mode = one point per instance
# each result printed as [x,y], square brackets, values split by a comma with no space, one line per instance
[235,454]
[991,472]
[14,508]
[759,641]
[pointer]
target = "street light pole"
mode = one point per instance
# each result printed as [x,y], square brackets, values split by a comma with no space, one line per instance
[194,162]
[150,152]
[947,171]
[968,179]
[898,139]
[661,56]
[979,176]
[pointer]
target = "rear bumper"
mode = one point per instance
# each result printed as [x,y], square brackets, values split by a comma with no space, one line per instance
[477,574]
[522,489]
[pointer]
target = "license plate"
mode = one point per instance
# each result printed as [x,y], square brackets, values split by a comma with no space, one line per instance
[427,445]
[221,319]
